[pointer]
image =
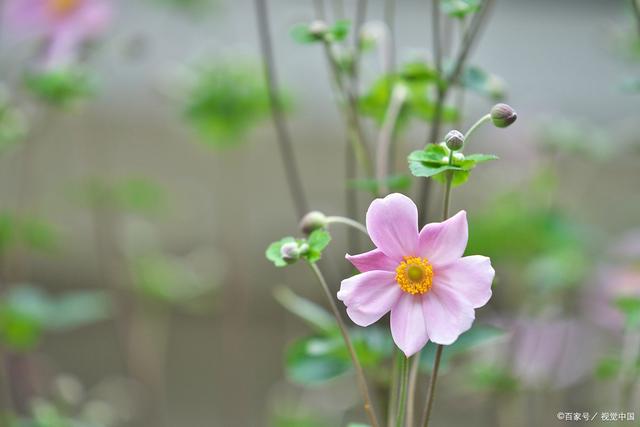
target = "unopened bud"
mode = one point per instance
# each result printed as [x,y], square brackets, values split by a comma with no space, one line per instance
[454,140]
[318,28]
[312,221]
[503,115]
[290,252]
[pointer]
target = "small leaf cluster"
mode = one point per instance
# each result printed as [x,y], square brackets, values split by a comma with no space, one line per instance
[436,161]
[309,249]
[317,31]
[32,232]
[26,312]
[460,8]
[224,101]
[61,87]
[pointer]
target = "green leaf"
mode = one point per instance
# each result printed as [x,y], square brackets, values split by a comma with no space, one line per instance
[608,367]
[13,123]
[62,87]
[460,8]
[7,231]
[225,101]
[474,337]
[395,183]
[316,316]
[339,30]
[315,360]
[493,378]
[38,234]
[139,195]
[301,34]
[273,251]
[480,158]
[630,307]
[483,83]
[318,240]
[26,312]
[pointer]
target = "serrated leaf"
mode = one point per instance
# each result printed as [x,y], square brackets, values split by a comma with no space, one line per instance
[316,316]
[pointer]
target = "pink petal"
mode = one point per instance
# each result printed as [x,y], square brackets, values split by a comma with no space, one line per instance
[447,315]
[408,325]
[392,224]
[443,242]
[369,296]
[372,260]
[470,277]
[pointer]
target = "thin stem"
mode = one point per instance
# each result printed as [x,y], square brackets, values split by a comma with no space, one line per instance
[635,4]
[484,119]
[432,387]
[402,396]
[390,20]
[393,389]
[385,139]
[444,87]
[351,111]
[630,353]
[347,221]
[285,145]
[362,382]
[413,381]
[436,34]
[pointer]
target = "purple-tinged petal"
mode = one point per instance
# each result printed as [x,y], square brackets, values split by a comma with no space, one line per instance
[444,242]
[447,315]
[372,260]
[369,296]
[408,326]
[470,277]
[392,224]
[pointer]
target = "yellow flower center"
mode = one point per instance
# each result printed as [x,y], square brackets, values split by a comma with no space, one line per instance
[62,7]
[414,275]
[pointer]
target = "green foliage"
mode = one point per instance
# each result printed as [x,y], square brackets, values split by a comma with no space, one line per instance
[35,233]
[477,335]
[608,367]
[62,87]
[395,183]
[419,78]
[486,84]
[433,162]
[225,101]
[13,124]
[26,312]
[133,195]
[574,138]
[315,316]
[460,8]
[630,307]
[493,378]
[306,34]
[310,248]
[170,280]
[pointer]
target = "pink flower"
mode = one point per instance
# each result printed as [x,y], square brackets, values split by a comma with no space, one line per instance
[63,25]
[422,278]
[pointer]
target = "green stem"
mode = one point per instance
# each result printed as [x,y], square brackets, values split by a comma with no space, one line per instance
[432,387]
[402,391]
[484,119]
[347,221]
[361,380]
[393,390]
[385,139]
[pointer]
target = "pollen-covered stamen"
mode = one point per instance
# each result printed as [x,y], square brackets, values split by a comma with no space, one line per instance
[63,7]
[414,275]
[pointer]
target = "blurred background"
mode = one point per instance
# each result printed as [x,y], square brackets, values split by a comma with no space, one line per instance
[140,187]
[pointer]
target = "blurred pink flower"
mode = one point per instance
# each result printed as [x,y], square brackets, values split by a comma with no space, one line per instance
[421,278]
[552,353]
[64,26]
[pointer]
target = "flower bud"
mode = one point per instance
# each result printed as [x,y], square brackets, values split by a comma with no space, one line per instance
[454,140]
[503,115]
[290,252]
[312,221]
[318,28]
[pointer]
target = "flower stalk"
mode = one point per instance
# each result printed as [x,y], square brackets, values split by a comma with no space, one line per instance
[398,97]
[360,377]
[402,391]
[348,222]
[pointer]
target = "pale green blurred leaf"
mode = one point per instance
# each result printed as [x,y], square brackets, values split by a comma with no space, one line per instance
[62,87]
[313,314]
[460,8]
